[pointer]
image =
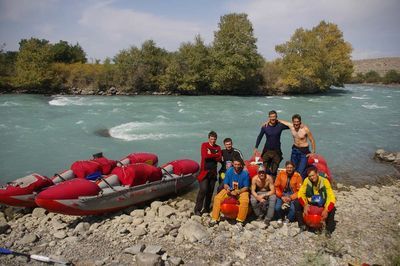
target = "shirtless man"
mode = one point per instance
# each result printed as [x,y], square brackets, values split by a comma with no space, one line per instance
[300,149]
[262,196]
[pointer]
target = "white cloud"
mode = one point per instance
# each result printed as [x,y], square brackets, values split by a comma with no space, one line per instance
[113,29]
[360,20]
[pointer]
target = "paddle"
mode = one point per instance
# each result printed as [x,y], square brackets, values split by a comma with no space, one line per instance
[33,256]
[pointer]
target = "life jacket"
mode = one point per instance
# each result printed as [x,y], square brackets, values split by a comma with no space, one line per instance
[137,174]
[82,169]
[319,198]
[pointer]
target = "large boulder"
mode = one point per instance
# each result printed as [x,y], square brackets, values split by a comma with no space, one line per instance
[194,232]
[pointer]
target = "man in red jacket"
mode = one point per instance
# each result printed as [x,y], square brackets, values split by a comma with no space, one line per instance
[210,156]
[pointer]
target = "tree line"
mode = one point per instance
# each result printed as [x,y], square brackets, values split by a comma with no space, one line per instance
[390,77]
[312,61]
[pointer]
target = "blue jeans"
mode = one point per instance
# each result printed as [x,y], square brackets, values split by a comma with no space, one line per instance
[280,213]
[299,158]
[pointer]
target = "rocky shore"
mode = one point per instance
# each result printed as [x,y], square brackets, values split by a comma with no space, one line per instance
[166,233]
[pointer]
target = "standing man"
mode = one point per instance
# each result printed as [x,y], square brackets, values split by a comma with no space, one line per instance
[300,149]
[236,184]
[227,158]
[271,154]
[262,196]
[210,156]
[287,185]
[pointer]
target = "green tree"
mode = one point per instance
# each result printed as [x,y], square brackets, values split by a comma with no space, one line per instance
[271,73]
[188,69]
[236,62]
[314,60]
[7,67]
[140,69]
[372,77]
[33,65]
[358,78]
[392,76]
[63,52]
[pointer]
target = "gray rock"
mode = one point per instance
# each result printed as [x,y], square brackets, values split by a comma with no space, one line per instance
[60,235]
[137,221]
[139,213]
[39,212]
[57,225]
[72,239]
[240,254]
[81,228]
[4,227]
[139,232]
[379,152]
[155,205]
[134,250]
[194,231]
[29,238]
[152,249]
[175,260]
[166,211]
[125,219]
[146,259]
[123,231]
[259,224]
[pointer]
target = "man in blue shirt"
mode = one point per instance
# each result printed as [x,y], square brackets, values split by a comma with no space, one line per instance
[236,184]
[271,154]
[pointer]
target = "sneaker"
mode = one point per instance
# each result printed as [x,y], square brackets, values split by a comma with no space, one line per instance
[212,223]
[267,221]
[328,234]
[239,225]
[285,206]
[205,211]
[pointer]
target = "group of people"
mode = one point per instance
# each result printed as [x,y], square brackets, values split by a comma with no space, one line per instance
[271,194]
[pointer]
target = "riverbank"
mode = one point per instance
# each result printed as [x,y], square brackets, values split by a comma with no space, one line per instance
[367,231]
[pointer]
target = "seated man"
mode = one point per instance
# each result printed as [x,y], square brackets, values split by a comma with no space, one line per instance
[262,196]
[227,156]
[315,185]
[236,184]
[287,184]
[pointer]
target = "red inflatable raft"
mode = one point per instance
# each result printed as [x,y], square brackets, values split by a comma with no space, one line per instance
[22,192]
[125,186]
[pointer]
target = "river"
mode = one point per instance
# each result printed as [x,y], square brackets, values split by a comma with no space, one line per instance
[45,134]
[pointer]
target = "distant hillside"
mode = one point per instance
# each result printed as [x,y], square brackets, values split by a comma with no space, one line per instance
[380,65]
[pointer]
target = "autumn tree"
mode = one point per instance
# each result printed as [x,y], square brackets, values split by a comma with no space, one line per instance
[236,62]
[33,65]
[314,60]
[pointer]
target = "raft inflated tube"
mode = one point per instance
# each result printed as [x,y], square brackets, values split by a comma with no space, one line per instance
[230,207]
[313,218]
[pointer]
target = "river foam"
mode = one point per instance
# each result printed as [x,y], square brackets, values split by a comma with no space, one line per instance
[373,106]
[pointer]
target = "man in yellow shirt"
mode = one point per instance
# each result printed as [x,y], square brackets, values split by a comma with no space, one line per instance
[316,190]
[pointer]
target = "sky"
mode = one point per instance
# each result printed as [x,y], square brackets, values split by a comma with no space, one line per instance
[105,27]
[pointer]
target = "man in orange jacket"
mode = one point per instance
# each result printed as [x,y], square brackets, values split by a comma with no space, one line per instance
[287,184]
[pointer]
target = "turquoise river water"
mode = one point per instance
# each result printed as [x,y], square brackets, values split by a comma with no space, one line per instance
[45,134]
